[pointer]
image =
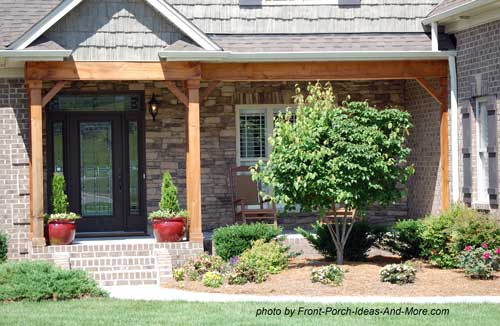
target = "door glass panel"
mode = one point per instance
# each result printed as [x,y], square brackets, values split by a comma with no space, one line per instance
[96,168]
[96,102]
[57,130]
[133,167]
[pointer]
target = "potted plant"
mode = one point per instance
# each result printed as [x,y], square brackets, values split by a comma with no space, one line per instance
[61,226]
[169,221]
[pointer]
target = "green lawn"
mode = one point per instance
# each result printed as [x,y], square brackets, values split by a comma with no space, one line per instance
[122,312]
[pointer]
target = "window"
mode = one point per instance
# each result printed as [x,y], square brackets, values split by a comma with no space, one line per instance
[482,151]
[254,125]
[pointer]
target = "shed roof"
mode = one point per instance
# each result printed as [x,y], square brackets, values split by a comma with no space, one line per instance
[328,42]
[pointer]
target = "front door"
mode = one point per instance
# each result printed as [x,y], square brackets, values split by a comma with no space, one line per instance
[97,142]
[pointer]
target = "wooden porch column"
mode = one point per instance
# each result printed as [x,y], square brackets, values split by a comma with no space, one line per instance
[443,83]
[36,161]
[193,161]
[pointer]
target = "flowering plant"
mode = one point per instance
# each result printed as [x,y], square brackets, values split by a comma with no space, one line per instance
[479,262]
[398,274]
[330,275]
[213,279]
[196,267]
[63,217]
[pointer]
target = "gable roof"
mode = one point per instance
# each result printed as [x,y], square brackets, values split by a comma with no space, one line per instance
[18,16]
[275,26]
[66,6]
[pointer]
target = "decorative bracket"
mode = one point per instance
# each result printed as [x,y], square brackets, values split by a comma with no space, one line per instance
[438,96]
[53,92]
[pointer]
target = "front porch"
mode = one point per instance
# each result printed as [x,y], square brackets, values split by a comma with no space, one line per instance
[195,134]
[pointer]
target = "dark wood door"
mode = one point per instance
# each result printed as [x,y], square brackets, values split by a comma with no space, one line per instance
[103,162]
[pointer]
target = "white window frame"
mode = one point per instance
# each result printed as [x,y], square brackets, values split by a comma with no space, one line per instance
[482,196]
[269,110]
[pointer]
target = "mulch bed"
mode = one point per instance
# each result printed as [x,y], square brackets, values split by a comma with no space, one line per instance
[362,279]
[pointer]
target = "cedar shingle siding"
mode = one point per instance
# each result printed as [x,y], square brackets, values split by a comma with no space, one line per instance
[114,30]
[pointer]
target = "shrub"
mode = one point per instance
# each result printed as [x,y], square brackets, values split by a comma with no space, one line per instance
[405,239]
[398,274]
[3,247]
[446,234]
[168,201]
[231,241]
[330,275]
[362,237]
[36,281]
[169,204]
[213,279]
[479,262]
[473,228]
[179,274]
[196,267]
[60,202]
[256,263]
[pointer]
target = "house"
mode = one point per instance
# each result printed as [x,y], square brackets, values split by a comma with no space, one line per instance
[76,78]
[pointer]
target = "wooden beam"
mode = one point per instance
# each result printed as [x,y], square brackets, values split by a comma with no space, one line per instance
[443,134]
[177,92]
[36,161]
[430,89]
[211,87]
[193,161]
[345,70]
[70,70]
[53,92]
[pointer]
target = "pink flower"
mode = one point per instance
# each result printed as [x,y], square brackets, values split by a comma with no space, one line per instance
[498,251]
[467,248]
[484,245]
[486,255]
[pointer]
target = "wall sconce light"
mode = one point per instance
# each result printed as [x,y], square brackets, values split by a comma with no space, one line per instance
[153,107]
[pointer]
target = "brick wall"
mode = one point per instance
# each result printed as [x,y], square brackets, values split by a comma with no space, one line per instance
[14,166]
[478,73]
[424,190]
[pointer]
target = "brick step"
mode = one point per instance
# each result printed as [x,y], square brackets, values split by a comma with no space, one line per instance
[112,261]
[127,282]
[125,277]
[112,247]
[111,254]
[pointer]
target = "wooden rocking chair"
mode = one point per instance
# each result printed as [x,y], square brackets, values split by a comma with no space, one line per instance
[247,202]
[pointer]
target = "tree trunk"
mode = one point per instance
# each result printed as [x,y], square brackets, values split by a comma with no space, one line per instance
[340,256]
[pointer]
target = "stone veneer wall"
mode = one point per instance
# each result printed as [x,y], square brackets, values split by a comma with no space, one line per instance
[165,145]
[14,166]
[478,73]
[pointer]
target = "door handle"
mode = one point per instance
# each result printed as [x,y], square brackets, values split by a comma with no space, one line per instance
[120,181]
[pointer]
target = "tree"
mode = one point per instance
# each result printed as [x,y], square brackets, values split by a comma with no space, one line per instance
[59,198]
[168,201]
[351,154]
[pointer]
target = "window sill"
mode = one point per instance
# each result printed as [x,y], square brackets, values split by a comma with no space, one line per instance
[481,206]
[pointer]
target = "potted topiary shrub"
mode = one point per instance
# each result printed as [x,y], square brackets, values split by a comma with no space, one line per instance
[61,228]
[169,221]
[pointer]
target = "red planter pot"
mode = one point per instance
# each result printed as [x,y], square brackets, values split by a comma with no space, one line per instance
[168,230]
[61,232]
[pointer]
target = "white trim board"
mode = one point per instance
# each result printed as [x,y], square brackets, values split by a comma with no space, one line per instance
[229,56]
[161,6]
[470,5]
